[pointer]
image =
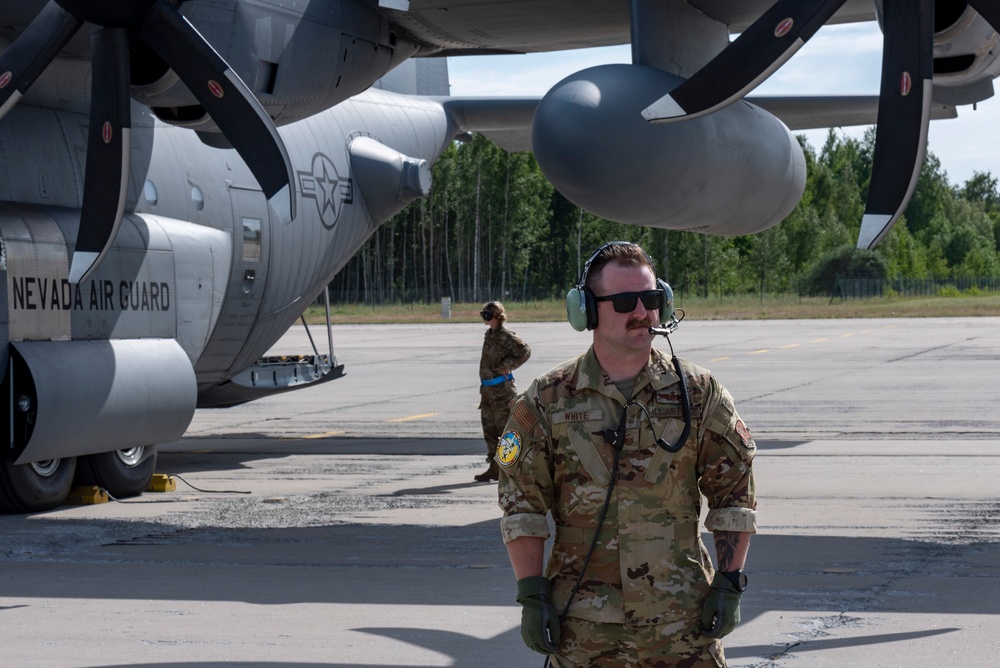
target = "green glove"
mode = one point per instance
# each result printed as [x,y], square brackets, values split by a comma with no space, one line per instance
[721,613]
[539,619]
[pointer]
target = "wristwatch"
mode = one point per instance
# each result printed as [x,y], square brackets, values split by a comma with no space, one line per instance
[738,578]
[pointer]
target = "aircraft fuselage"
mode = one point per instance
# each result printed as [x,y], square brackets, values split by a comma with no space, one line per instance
[201,273]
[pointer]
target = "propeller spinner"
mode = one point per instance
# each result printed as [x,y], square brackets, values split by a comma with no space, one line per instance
[904,99]
[217,88]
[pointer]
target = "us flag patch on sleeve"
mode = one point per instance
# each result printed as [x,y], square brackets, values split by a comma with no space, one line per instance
[524,416]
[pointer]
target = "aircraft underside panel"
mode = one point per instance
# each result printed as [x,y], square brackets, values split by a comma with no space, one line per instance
[80,397]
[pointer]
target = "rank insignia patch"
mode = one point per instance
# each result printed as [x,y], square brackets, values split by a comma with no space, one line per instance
[508,448]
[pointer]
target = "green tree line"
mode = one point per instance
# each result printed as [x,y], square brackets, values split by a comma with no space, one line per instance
[494,228]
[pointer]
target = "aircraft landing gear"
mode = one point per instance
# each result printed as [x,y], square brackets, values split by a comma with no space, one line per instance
[34,487]
[123,473]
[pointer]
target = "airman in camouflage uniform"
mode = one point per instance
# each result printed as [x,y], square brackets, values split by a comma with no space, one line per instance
[643,599]
[503,351]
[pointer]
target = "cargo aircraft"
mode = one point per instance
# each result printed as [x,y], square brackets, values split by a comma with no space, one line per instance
[181,178]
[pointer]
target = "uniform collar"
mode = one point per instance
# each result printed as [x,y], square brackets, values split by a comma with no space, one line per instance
[658,372]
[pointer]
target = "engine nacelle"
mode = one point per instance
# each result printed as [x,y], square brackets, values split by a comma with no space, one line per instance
[966,53]
[735,172]
[298,58]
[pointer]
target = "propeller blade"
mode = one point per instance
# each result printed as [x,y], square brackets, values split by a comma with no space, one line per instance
[105,180]
[32,51]
[743,65]
[226,99]
[903,115]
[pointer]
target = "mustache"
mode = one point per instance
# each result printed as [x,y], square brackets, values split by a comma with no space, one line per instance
[639,323]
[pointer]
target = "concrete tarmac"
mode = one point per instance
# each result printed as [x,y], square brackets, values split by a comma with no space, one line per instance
[339,525]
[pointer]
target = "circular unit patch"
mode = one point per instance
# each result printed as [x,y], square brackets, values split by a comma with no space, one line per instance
[508,448]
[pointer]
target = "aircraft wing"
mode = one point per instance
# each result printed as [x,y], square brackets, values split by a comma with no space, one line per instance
[821,111]
[506,121]
[468,27]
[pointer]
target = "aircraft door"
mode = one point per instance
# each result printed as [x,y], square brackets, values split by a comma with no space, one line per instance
[228,345]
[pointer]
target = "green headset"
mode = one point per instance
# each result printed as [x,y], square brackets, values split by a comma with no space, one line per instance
[581,309]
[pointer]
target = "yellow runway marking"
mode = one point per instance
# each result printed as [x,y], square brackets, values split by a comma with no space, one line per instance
[844,336]
[323,435]
[790,345]
[759,352]
[413,417]
[718,359]
[820,340]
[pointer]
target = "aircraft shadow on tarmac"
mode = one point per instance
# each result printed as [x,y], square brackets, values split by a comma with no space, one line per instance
[192,455]
[509,645]
[220,454]
[502,644]
[834,577]
[819,645]
[437,489]
[837,575]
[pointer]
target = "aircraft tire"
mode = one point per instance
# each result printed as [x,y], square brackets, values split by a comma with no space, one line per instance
[35,487]
[123,473]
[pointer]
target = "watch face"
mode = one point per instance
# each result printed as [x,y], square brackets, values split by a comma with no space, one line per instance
[738,578]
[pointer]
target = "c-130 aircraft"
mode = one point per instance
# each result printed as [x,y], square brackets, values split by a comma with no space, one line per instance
[183,177]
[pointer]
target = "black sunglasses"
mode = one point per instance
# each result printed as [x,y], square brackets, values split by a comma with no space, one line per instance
[624,302]
[487,315]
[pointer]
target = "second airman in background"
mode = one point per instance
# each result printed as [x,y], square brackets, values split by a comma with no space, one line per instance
[503,351]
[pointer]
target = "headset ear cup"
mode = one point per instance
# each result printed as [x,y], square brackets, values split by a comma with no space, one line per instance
[590,307]
[667,312]
[576,310]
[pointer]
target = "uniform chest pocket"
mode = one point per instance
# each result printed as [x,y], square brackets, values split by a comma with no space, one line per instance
[660,462]
[579,429]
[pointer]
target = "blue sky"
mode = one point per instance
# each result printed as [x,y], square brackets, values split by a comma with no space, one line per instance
[838,60]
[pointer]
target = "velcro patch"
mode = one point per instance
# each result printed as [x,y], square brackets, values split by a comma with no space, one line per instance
[673,411]
[667,396]
[744,434]
[577,416]
[524,416]
[508,448]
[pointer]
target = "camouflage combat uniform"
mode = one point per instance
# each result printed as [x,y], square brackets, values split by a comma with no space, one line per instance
[642,598]
[502,348]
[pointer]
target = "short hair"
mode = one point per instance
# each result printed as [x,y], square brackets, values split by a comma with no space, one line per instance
[621,253]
